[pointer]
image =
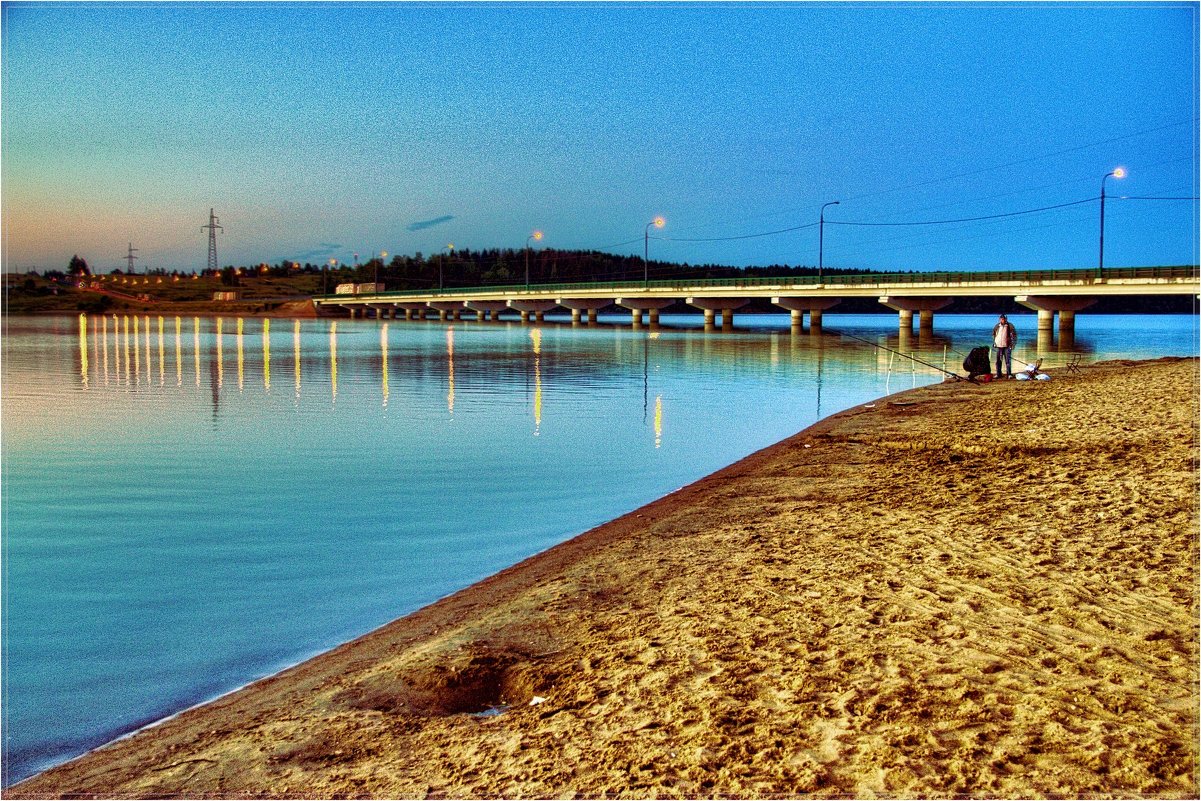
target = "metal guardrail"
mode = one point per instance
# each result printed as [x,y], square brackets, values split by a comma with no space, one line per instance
[1031,277]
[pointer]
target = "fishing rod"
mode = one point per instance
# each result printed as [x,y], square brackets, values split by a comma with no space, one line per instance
[956,376]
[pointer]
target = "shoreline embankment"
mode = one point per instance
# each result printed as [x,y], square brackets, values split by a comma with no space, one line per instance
[955,591]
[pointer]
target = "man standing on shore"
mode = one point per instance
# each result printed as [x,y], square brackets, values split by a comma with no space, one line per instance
[1004,337]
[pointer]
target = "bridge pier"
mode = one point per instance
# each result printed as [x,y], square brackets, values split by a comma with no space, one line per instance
[538,308]
[710,307]
[580,305]
[486,308]
[1048,306]
[924,306]
[799,305]
[639,305]
[447,309]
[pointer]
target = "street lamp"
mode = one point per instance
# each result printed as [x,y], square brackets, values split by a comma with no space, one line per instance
[537,236]
[442,261]
[821,233]
[383,254]
[658,222]
[1120,172]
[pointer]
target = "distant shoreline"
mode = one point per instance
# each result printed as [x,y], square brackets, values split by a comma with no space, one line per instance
[860,609]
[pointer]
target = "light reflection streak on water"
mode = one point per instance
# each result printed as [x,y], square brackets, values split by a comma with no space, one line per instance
[162,354]
[333,361]
[196,347]
[536,337]
[104,337]
[267,354]
[296,356]
[83,349]
[137,350]
[241,358]
[658,420]
[383,349]
[220,354]
[450,370]
[178,351]
[149,364]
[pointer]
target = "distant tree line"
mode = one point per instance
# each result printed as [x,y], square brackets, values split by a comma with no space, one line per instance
[503,267]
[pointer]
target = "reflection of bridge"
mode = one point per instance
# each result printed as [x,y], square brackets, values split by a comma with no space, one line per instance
[1049,292]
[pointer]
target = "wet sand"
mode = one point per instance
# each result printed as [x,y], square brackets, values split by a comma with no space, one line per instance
[967,591]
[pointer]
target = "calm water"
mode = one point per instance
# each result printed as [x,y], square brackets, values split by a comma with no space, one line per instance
[190,504]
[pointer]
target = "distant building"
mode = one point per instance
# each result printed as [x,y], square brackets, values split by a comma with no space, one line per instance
[358,289]
[228,294]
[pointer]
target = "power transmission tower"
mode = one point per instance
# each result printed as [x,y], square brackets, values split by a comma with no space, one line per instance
[129,259]
[212,227]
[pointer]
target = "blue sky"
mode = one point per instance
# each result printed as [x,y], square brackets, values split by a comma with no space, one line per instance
[318,131]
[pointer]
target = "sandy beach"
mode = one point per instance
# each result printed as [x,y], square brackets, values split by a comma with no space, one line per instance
[956,591]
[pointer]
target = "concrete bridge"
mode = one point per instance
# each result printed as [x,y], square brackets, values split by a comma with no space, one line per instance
[1049,292]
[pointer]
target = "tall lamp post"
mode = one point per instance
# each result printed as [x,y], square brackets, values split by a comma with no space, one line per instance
[383,254]
[442,261]
[536,236]
[658,222]
[1120,172]
[821,236]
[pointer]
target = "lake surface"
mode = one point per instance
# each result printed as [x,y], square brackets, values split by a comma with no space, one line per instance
[193,503]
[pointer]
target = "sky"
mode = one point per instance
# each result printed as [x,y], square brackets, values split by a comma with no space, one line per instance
[320,131]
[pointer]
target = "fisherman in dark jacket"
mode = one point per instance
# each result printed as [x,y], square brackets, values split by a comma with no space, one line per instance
[1004,337]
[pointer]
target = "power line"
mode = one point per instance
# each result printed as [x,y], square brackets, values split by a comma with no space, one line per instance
[966,219]
[730,238]
[1026,160]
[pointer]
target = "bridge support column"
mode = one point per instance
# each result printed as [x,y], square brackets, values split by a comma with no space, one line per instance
[638,305]
[447,309]
[580,305]
[653,314]
[712,305]
[799,305]
[1047,306]
[538,308]
[924,306]
[486,308]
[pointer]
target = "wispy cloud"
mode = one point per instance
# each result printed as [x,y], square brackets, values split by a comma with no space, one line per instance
[423,224]
[321,251]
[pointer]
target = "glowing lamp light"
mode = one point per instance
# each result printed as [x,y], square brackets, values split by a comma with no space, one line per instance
[538,235]
[1120,172]
[660,222]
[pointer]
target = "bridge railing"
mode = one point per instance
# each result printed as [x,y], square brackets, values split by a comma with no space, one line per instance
[1028,277]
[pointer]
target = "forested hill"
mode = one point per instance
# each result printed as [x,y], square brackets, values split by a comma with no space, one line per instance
[497,267]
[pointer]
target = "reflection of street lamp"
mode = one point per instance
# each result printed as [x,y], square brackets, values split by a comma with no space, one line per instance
[442,261]
[537,236]
[821,230]
[658,222]
[1120,172]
